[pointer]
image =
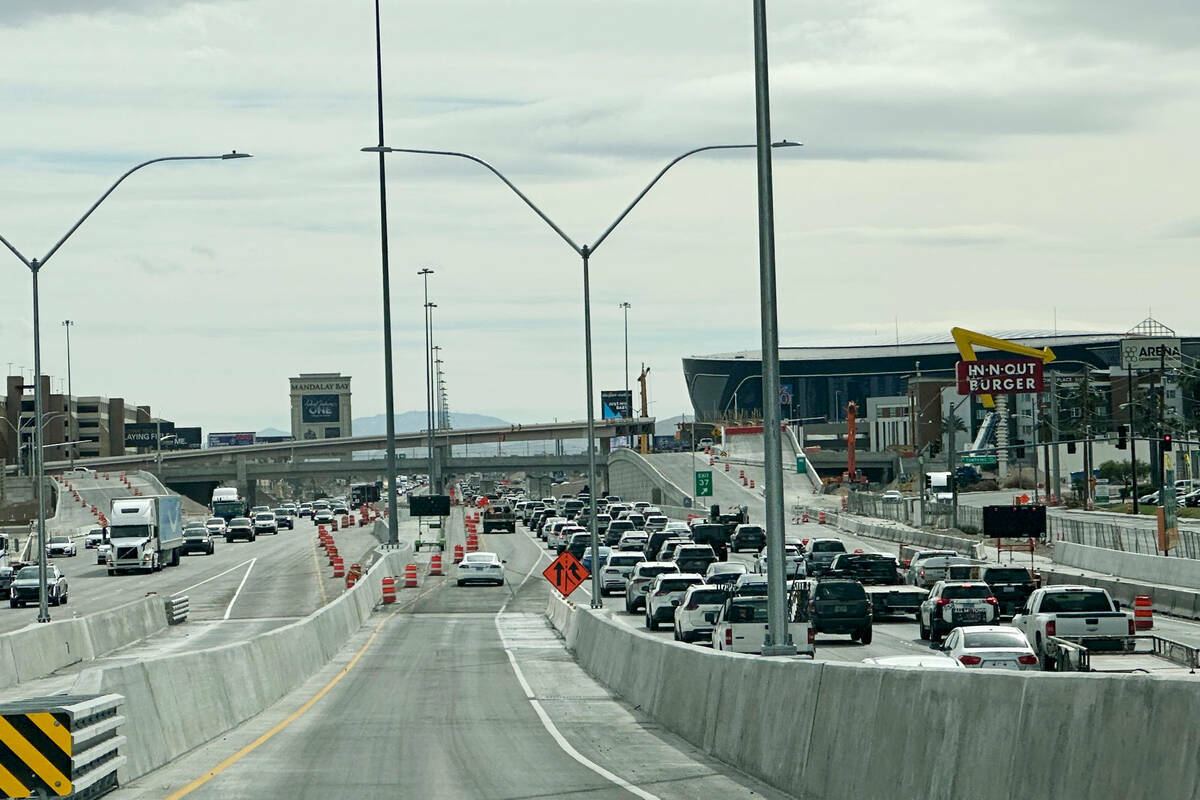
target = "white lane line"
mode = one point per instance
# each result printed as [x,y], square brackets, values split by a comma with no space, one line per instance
[213,578]
[548,723]
[229,610]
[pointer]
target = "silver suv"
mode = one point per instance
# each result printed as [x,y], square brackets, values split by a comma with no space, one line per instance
[639,582]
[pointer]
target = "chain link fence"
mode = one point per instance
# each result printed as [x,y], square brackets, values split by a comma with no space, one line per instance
[1125,538]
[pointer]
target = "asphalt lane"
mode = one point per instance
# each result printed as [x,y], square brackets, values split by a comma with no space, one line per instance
[274,578]
[437,707]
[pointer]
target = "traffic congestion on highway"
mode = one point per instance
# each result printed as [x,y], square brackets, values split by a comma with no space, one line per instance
[703,581]
[144,541]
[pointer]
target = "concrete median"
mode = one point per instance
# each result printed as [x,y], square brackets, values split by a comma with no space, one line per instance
[1164,570]
[36,651]
[896,532]
[179,702]
[825,730]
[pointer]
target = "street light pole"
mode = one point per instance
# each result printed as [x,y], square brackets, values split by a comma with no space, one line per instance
[626,306]
[585,252]
[425,273]
[434,472]
[71,424]
[389,401]
[35,267]
[778,640]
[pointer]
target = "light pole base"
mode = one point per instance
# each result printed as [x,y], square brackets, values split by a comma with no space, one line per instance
[779,650]
[596,603]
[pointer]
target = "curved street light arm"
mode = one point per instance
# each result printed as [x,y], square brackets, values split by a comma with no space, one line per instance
[15,251]
[650,185]
[663,171]
[495,172]
[104,197]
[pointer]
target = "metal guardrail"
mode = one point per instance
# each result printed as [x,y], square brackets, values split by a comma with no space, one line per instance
[177,609]
[60,746]
[1072,653]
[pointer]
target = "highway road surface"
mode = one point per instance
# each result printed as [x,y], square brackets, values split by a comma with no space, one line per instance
[274,579]
[459,692]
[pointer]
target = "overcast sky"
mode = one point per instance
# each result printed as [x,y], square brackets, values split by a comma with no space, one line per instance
[991,165]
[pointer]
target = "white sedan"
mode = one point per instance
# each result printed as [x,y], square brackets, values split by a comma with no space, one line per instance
[60,546]
[480,568]
[990,647]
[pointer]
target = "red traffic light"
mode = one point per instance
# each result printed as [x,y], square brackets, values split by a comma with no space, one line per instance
[1166,443]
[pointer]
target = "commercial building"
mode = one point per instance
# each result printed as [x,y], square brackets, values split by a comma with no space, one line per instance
[906,393]
[320,406]
[96,424]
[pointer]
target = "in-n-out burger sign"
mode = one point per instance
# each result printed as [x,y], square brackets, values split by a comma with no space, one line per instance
[1011,376]
[327,386]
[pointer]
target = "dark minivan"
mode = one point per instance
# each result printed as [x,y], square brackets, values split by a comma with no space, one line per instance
[841,606]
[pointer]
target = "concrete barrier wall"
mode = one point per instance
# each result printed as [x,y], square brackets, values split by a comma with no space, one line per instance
[36,651]
[1175,600]
[177,703]
[895,532]
[1183,572]
[829,730]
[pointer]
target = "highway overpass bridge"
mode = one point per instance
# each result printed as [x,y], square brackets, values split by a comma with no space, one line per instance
[197,480]
[195,472]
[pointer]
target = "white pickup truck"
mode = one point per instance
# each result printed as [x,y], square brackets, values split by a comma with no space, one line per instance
[741,625]
[1072,611]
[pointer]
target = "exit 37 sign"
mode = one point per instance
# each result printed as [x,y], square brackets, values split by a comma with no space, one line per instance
[1008,376]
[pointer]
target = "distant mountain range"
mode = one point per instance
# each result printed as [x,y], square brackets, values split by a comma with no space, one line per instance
[415,421]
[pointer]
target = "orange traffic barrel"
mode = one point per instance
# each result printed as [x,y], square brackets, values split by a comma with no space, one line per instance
[804,517]
[389,589]
[435,564]
[339,567]
[727,466]
[1143,614]
[458,553]
[321,529]
[333,524]
[752,483]
[410,576]
[743,480]
[821,518]
[332,552]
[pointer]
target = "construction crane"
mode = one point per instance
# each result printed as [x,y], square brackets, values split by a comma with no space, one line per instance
[645,440]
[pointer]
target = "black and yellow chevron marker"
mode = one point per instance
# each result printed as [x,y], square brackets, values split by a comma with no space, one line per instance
[35,754]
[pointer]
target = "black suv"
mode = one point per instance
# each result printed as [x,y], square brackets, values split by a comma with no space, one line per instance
[841,606]
[713,535]
[1010,585]
[748,537]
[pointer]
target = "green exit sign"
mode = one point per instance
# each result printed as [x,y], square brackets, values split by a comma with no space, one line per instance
[704,484]
[981,460]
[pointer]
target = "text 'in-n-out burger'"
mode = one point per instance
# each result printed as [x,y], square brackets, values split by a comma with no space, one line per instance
[1008,376]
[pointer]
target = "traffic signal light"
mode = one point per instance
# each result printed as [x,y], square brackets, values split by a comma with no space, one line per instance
[1122,431]
[1166,443]
[1071,448]
[1020,445]
[928,481]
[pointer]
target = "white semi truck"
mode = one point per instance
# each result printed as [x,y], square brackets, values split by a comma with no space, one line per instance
[145,533]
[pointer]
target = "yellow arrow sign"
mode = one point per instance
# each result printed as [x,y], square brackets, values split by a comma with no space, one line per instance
[966,341]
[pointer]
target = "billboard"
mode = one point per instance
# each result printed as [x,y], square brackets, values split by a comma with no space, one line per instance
[1007,376]
[185,439]
[145,434]
[320,408]
[230,439]
[1014,522]
[429,505]
[1150,352]
[616,405]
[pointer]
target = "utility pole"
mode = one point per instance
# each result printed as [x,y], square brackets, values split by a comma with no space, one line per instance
[1162,419]
[71,437]
[1087,439]
[1132,439]
[626,306]
[1055,429]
